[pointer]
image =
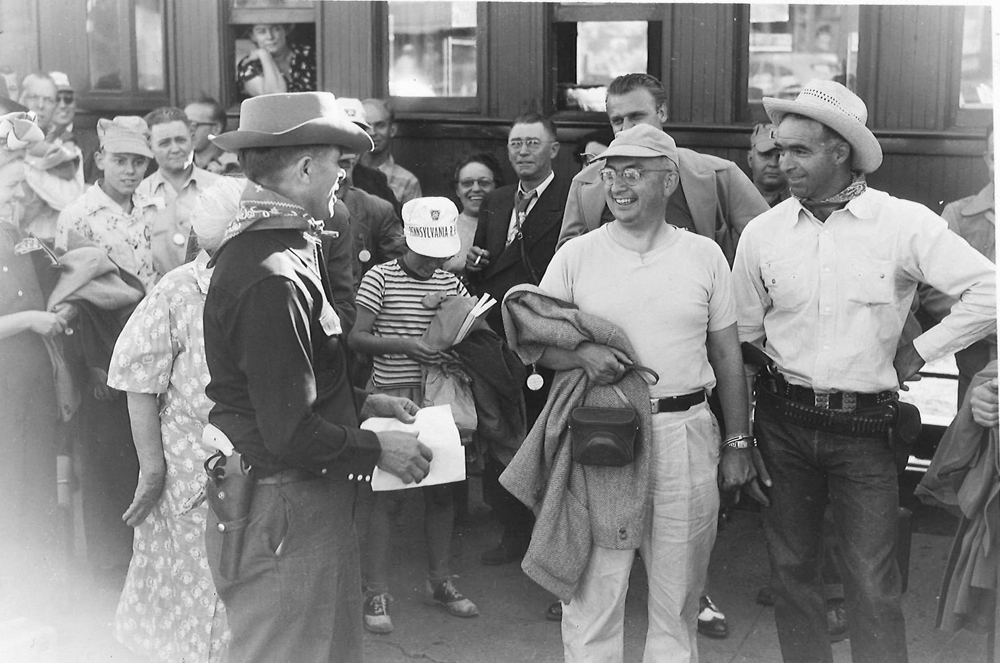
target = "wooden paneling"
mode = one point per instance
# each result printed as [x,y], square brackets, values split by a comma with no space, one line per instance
[913,59]
[19,47]
[197,58]
[699,82]
[348,54]
[63,39]
[516,56]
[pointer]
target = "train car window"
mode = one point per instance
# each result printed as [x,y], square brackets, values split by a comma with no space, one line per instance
[976,89]
[593,45]
[432,49]
[793,44]
[116,27]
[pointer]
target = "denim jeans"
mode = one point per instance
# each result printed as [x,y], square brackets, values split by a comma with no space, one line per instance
[857,476]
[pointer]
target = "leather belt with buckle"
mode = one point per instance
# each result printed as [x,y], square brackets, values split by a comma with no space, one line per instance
[676,403]
[844,401]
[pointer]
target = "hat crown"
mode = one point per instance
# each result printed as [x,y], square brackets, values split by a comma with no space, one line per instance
[833,95]
[277,113]
[121,125]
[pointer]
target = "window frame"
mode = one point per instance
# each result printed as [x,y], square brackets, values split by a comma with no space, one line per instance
[658,45]
[131,98]
[967,118]
[450,105]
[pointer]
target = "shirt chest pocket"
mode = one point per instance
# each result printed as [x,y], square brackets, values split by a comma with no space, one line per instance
[871,282]
[786,283]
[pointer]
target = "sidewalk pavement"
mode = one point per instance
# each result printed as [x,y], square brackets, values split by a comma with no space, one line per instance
[512,627]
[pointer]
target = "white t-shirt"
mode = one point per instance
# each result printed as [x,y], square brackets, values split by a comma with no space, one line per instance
[666,300]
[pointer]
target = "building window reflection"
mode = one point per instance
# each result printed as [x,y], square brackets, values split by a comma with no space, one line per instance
[976,91]
[433,49]
[591,54]
[793,44]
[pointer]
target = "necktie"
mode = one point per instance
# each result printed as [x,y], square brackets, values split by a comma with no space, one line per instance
[521,202]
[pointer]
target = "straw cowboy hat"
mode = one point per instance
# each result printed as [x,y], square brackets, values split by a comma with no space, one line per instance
[835,106]
[296,118]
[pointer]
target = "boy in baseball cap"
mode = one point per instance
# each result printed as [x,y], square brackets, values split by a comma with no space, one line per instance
[396,303]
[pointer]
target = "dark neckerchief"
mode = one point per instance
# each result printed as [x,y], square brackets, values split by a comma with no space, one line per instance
[857,187]
[263,209]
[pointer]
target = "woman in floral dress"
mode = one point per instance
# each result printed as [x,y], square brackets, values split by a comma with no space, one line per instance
[169,609]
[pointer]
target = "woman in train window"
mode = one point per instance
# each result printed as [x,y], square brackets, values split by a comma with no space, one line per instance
[275,64]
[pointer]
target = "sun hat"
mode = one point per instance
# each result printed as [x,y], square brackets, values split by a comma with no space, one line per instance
[833,105]
[295,118]
[430,227]
[354,109]
[762,137]
[18,131]
[643,141]
[126,134]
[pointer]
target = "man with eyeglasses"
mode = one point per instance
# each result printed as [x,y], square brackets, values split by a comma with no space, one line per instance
[53,100]
[670,292]
[515,240]
[208,118]
[714,198]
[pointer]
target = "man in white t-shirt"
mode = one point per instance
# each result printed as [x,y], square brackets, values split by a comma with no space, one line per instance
[670,291]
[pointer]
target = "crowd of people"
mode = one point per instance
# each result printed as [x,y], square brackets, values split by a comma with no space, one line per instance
[262,291]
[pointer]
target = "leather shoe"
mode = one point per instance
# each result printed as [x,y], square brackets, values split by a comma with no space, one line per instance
[836,621]
[554,612]
[711,621]
[508,551]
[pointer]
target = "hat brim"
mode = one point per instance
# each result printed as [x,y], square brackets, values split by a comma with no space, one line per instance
[638,151]
[865,149]
[319,131]
[440,247]
[127,146]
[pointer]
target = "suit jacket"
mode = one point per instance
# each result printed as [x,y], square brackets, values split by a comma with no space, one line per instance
[721,198]
[540,232]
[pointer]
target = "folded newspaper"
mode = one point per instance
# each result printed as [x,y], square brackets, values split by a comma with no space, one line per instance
[435,427]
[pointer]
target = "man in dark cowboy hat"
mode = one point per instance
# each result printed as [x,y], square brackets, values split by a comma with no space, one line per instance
[280,383]
[824,281]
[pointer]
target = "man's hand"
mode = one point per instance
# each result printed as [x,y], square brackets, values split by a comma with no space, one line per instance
[744,469]
[147,494]
[603,364]
[417,349]
[383,405]
[907,363]
[983,400]
[477,259]
[99,383]
[404,456]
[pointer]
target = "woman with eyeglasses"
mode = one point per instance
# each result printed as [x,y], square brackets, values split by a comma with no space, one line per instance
[276,65]
[475,176]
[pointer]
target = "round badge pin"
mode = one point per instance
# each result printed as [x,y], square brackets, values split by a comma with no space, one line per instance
[179,239]
[535,382]
[365,255]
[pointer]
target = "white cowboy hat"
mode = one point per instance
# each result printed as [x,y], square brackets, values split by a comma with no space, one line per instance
[295,118]
[833,105]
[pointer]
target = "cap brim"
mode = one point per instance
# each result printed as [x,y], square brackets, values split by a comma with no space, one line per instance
[435,248]
[321,131]
[632,151]
[127,147]
[765,145]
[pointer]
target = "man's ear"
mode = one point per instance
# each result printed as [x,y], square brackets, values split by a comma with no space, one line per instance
[842,152]
[393,128]
[554,149]
[671,182]
[661,112]
[750,158]
[99,159]
[303,168]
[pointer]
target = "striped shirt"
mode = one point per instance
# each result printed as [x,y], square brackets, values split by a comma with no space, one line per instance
[395,298]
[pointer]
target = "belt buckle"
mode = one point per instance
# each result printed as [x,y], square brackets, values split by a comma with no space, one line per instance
[654,405]
[821,400]
[850,401]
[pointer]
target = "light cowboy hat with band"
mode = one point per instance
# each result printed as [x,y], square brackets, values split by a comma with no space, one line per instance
[833,105]
[294,118]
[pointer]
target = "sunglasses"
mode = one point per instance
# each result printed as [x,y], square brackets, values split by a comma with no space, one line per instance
[65,97]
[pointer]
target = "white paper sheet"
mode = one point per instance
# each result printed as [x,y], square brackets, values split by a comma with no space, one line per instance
[435,427]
